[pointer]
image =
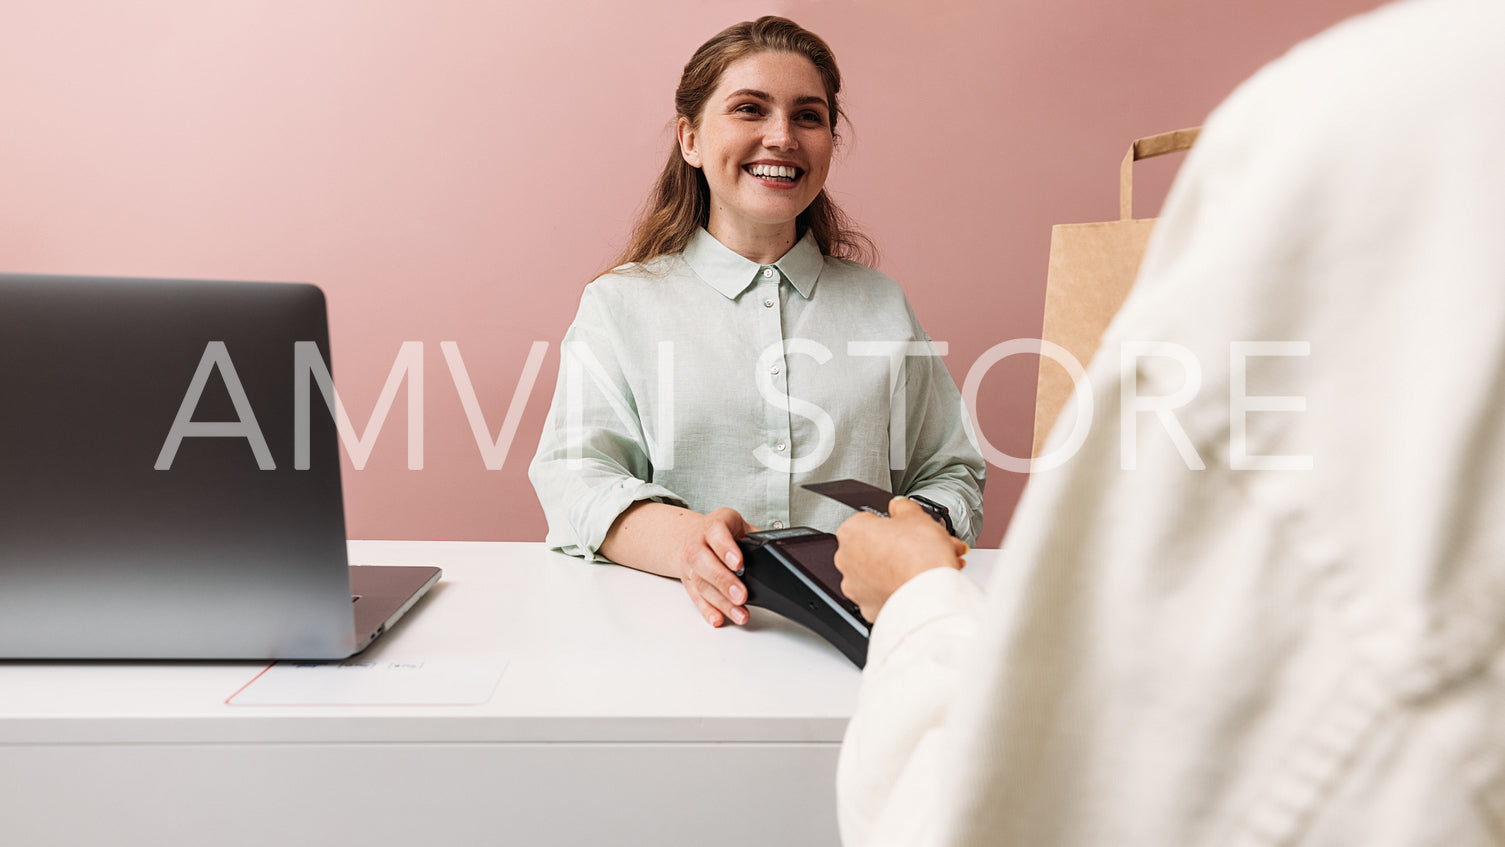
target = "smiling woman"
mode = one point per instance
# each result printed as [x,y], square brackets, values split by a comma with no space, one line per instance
[739,350]
[680,200]
[765,153]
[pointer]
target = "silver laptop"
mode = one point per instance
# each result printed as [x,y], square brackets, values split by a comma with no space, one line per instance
[164,491]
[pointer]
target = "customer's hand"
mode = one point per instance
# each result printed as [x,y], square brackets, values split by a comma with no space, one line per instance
[876,555]
[707,563]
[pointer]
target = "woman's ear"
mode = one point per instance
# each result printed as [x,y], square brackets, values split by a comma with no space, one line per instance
[687,148]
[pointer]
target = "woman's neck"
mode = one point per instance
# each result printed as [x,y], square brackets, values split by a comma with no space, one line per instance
[764,245]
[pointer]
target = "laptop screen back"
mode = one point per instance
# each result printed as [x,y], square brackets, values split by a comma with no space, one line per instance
[152,507]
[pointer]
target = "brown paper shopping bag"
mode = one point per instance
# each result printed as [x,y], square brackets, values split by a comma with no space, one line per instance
[1092,268]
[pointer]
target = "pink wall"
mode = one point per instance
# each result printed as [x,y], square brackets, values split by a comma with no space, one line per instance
[457,171]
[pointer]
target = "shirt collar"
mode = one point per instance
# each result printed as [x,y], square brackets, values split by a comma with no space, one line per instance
[731,273]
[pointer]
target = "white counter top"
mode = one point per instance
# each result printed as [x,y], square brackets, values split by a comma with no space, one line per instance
[594,653]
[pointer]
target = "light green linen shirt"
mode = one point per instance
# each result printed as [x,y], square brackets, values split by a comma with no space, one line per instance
[706,380]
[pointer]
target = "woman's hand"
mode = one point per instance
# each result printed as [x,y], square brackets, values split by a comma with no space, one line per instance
[699,550]
[709,558]
[876,555]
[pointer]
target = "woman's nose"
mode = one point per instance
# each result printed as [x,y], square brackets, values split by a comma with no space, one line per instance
[777,134]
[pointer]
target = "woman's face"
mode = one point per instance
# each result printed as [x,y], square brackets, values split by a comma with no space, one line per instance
[764,143]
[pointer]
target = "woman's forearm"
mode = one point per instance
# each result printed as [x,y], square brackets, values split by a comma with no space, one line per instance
[651,537]
[699,550]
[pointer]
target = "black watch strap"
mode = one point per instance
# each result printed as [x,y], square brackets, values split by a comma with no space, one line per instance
[935,510]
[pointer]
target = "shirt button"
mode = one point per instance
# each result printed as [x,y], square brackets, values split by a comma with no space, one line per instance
[774,370]
[778,524]
[768,273]
[768,304]
[780,446]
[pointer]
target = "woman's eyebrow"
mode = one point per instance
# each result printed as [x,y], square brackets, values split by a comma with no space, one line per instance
[806,100]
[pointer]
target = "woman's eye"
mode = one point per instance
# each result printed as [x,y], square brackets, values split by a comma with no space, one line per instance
[748,109]
[812,117]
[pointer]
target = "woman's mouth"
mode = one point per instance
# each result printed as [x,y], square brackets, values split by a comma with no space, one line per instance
[775,173]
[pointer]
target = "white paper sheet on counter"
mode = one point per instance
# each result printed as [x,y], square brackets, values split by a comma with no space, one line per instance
[376,683]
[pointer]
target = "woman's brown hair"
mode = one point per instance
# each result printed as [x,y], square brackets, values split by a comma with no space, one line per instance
[680,201]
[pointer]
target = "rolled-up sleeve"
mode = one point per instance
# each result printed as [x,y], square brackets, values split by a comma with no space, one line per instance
[594,456]
[944,463]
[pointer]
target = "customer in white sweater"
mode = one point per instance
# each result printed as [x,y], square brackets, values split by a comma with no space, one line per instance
[1280,617]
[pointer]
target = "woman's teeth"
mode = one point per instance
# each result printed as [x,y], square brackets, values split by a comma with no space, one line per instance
[775,172]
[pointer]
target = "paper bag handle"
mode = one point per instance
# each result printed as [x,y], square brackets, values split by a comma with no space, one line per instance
[1145,148]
